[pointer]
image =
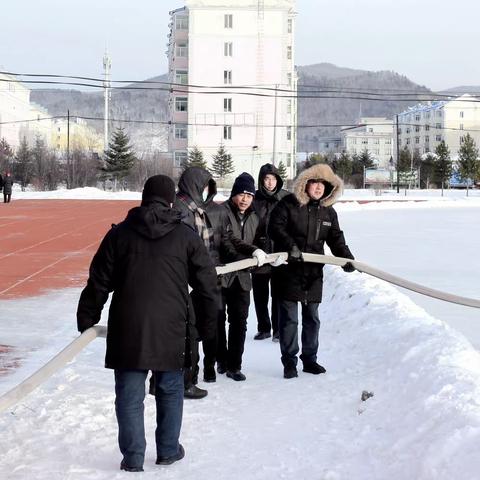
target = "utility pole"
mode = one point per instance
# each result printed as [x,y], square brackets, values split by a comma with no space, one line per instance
[275,127]
[107,64]
[69,181]
[398,156]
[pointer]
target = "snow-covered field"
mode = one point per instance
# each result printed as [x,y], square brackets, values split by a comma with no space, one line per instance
[423,421]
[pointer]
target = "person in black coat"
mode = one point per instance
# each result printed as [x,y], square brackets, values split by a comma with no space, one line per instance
[196,191]
[236,286]
[270,192]
[303,222]
[148,261]
[7,187]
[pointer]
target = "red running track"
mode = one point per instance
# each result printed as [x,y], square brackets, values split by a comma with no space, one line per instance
[48,244]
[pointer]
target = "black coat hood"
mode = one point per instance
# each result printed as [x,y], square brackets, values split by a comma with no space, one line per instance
[192,183]
[268,169]
[154,220]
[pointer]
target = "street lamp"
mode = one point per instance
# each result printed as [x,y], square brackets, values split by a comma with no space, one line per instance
[254,149]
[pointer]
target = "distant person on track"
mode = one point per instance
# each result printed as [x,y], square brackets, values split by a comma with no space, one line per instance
[7,187]
[148,261]
[302,222]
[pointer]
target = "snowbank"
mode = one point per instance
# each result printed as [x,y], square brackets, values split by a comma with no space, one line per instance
[423,421]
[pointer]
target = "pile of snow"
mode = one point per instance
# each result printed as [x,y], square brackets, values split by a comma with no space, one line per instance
[423,421]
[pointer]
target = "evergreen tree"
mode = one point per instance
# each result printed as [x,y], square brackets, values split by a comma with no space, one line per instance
[359,164]
[405,160]
[366,159]
[222,165]
[282,171]
[24,165]
[343,166]
[6,155]
[468,163]
[195,159]
[119,157]
[443,164]
[427,170]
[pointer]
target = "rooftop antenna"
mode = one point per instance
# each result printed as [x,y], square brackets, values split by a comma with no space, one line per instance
[107,65]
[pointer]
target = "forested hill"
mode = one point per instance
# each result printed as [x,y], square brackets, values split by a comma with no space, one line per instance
[151,104]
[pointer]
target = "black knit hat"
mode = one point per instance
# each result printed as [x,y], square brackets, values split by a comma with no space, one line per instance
[244,183]
[158,187]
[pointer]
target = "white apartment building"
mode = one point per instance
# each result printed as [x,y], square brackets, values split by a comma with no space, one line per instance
[424,126]
[373,134]
[237,58]
[18,117]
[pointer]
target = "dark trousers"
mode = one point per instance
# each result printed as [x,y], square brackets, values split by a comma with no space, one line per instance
[7,197]
[236,302]
[129,407]
[263,286]
[209,349]
[288,329]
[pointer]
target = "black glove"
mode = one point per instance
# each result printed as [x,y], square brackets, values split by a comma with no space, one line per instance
[295,255]
[348,267]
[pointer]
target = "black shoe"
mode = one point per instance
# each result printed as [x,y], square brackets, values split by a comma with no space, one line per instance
[290,372]
[314,368]
[236,375]
[276,338]
[221,368]
[173,458]
[209,375]
[195,393]
[262,336]
[124,466]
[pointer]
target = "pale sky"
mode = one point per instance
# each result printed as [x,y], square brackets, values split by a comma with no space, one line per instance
[432,42]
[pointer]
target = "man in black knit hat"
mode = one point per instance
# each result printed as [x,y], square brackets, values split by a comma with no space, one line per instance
[148,261]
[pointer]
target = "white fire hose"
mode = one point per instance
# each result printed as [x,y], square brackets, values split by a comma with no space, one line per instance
[70,351]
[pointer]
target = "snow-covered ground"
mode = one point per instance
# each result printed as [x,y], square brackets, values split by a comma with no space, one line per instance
[423,421]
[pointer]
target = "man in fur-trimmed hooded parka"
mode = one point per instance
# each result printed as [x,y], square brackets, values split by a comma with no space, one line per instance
[302,222]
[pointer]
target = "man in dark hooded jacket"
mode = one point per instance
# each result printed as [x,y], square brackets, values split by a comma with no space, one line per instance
[270,192]
[148,261]
[196,191]
[303,222]
[7,187]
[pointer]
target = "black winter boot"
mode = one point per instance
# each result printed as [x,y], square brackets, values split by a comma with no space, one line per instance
[194,393]
[290,372]
[209,375]
[314,368]
[236,375]
[173,458]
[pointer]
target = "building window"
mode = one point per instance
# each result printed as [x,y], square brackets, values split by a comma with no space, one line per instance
[289,52]
[461,126]
[289,25]
[427,139]
[228,49]
[365,141]
[228,21]
[407,141]
[227,132]
[181,104]
[461,114]
[227,77]
[376,141]
[354,141]
[289,159]
[181,23]
[438,126]
[289,79]
[408,130]
[289,107]
[438,138]
[417,117]
[181,131]
[179,158]
[181,77]
[439,113]
[388,141]
[427,128]
[181,50]
[227,104]
[427,115]
[417,139]
[417,128]
[289,133]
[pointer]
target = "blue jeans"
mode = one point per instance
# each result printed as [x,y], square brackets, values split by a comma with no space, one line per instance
[129,407]
[288,330]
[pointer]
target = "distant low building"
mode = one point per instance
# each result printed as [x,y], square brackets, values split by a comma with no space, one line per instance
[374,134]
[423,126]
[77,135]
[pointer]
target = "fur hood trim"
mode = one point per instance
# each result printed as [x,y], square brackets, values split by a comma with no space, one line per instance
[334,184]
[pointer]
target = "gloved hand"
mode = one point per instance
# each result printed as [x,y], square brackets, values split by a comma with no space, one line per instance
[260,255]
[295,255]
[348,267]
[278,261]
